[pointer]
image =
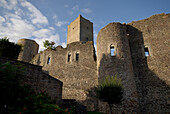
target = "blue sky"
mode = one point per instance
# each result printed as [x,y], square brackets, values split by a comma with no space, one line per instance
[48,19]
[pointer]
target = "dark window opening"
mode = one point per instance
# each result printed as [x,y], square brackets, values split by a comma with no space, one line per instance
[69,57]
[48,60]
[87,38]
[87,27]
[112,51]
[77,56]
[146,51]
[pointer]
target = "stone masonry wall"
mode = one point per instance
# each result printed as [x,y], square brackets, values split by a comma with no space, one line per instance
[151,72]
[73,31]
[39,81]
[78,77]
[114,35]
[80,29]
[29,50]
[86,30]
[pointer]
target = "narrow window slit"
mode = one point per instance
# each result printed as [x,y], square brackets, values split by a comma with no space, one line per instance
[69,57]
[112,50]
[146,51]
[77,56]
[48,60]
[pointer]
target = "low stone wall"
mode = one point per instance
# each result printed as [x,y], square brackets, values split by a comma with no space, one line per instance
[38,80]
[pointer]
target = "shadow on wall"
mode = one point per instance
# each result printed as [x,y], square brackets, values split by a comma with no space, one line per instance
[153,93]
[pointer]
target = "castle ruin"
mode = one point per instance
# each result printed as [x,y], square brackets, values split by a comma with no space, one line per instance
[137,52]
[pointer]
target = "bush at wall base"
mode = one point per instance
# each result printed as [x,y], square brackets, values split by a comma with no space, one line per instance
[110,90]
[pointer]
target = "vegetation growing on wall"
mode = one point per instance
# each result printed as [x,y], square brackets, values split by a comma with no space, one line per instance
[49,45]
[9,49]
[110,90]
[21,99]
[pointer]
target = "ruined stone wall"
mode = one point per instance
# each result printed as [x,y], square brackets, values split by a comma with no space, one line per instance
[120,64]
[29,50]
[151,72]
[78,76]
[39,81]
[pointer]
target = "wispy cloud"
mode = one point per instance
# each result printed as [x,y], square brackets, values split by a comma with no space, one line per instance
[8,5]
[76,7]
[17,23]
[86,10]
[59,23]
[35,15]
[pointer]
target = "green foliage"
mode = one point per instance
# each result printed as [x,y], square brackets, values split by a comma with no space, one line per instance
[9,49]
[49,45]
[16,99]
[110,90]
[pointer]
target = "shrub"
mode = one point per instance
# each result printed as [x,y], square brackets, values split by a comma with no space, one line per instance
[110,90]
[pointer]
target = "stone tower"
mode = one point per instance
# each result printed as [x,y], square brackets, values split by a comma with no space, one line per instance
[114,58]
[80,29]
[29,50]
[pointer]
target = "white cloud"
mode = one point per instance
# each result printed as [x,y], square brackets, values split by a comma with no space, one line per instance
[63,45]
[15,28]
[76,7]
[55,38]
[2,19]
[61,23]
[86,10]
[42,33]
[8,5]
[55,17]
[27,23]
[35,15]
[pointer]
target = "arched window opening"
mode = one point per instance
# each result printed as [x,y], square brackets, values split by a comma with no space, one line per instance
[146,51]
[112,50]
[48,60]
[77,56]
[69,57]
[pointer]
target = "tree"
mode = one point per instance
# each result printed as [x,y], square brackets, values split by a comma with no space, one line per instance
[9,49]
[49,45]
[110,90]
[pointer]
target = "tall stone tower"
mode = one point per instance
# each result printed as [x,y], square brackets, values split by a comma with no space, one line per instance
[80,29]
[29,50]
[114,58]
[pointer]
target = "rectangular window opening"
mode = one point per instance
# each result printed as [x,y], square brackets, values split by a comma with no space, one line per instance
[112,51]
[48,60]
[77,56]
[69,56]
[146,51]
